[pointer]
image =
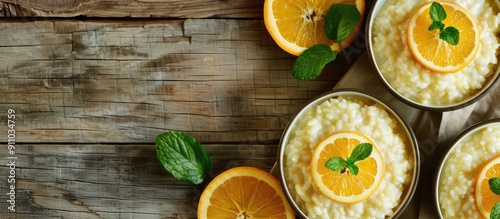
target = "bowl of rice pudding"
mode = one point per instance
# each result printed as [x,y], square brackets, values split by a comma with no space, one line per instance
[336,114]
[459,171]
[418,85]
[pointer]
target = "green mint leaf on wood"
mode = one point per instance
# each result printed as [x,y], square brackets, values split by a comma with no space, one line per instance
[437,12]
[182,156]
[495,212]
[450,35]
[336,164]
[495,185]
[340,20]
[311,62]
[361,152]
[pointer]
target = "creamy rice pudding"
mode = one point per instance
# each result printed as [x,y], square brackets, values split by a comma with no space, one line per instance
[347,114]
[418,84]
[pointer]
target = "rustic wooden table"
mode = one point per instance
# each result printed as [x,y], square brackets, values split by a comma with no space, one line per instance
[92,83]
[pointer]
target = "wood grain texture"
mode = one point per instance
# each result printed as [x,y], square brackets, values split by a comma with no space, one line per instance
[113,181]
[101,81]
[91,96]
[133,8]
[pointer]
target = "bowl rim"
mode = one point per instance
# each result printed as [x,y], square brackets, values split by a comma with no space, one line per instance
[410,190]
[447,150]
[490,83]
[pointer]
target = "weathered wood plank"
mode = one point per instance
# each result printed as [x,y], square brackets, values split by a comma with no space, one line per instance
[112,181]
[132,8]
[221,80]
[135,8]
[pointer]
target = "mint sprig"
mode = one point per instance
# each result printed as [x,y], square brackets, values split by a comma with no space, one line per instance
[182,156]
[360,152]
[494,184]
[340,21]
[449,34]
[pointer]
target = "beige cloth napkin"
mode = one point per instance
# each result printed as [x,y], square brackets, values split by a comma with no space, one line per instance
[432,129]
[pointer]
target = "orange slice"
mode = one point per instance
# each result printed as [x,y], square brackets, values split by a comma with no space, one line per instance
[343,186]
[485,198]
[432,52]
[244,192]
[296,25]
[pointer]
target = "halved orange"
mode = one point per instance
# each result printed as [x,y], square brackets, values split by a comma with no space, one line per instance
[485,198]
[436,54]
[296,25]
[344,186]
[244,192]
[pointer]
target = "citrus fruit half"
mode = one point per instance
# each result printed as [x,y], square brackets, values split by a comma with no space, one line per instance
[436,54]
[485,198]
[296,25]
[244,192]
[345,186]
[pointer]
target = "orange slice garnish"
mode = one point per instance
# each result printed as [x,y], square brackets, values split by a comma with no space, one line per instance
[244,192]
[296,25]
[344,186]
[436,54]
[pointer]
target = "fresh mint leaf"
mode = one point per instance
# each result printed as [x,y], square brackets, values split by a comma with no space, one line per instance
[340,20]
[436,25]
[311,62]
[182,156]
[450,35]
[495,185]
[361,152]
[335,164]
[350,161]
[495,212]
[437,12]
[353,169]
